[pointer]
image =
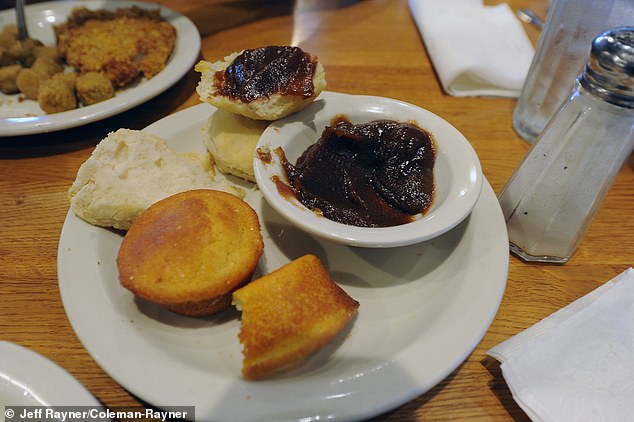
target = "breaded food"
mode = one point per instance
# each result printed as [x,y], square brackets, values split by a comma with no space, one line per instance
[66,78]
[289,314]
[128,171]
[265,83]
[46,51]
[231,139]
[93,87]
[24,51]
[121,44]
[29,80]
[5,57]
[190,251]
[8,77]
[57,94]
[25,64]
[47,65]
[8,36]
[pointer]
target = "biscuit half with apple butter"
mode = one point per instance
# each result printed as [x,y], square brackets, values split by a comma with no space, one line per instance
[265,83]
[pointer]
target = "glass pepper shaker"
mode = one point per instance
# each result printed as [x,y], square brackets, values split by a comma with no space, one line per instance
[551,198]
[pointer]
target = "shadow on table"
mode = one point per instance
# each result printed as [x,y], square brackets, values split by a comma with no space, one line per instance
[498,385]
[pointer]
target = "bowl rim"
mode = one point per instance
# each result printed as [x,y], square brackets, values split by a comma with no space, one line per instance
[450,145]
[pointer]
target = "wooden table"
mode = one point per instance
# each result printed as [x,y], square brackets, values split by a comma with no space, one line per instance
[367,47]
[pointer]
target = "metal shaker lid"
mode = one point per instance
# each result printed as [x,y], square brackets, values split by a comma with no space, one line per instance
[609,72]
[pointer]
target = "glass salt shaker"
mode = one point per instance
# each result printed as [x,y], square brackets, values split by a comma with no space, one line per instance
[551,198]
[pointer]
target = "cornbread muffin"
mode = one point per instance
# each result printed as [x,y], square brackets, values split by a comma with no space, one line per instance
[231,140]
[265,83]
[128,171]
[289,314]
[190,251]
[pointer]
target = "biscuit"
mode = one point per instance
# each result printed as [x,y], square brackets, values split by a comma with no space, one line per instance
[231,140]
[130,170]
[267,89]
[289,314]
[190,251]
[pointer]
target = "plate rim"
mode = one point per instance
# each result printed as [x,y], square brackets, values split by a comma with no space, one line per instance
[30,367]
[187,46]
[370,406]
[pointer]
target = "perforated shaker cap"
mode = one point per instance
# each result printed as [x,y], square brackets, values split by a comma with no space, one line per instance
[609,73]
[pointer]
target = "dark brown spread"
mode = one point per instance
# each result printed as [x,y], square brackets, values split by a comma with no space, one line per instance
[375,174]
[261,72]
[264,155]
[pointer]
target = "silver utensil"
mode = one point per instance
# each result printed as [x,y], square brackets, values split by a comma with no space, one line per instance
[19,13]
[528,16]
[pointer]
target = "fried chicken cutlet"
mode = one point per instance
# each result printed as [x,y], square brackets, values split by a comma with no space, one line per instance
[121,44]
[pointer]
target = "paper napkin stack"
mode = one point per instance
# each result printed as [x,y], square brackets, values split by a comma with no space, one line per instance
[578,363]
[476,50]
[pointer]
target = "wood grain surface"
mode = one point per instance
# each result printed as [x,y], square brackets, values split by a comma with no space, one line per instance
[367,47]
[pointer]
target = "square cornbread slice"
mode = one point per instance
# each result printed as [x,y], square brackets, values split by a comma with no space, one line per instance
[289,314]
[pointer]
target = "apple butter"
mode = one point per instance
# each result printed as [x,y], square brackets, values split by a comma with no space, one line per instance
[374,174]
[261,72]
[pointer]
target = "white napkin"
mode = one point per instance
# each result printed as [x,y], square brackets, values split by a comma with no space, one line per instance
[578,363]
[476,50]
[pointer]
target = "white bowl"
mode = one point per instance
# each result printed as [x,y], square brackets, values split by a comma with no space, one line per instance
[457,171]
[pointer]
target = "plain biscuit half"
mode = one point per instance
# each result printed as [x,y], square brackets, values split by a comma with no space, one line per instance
[128,171]
[231,139]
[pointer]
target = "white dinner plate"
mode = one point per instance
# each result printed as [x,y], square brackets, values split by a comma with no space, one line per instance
[29,379]
[423,308]
[457,171]
[24,117]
